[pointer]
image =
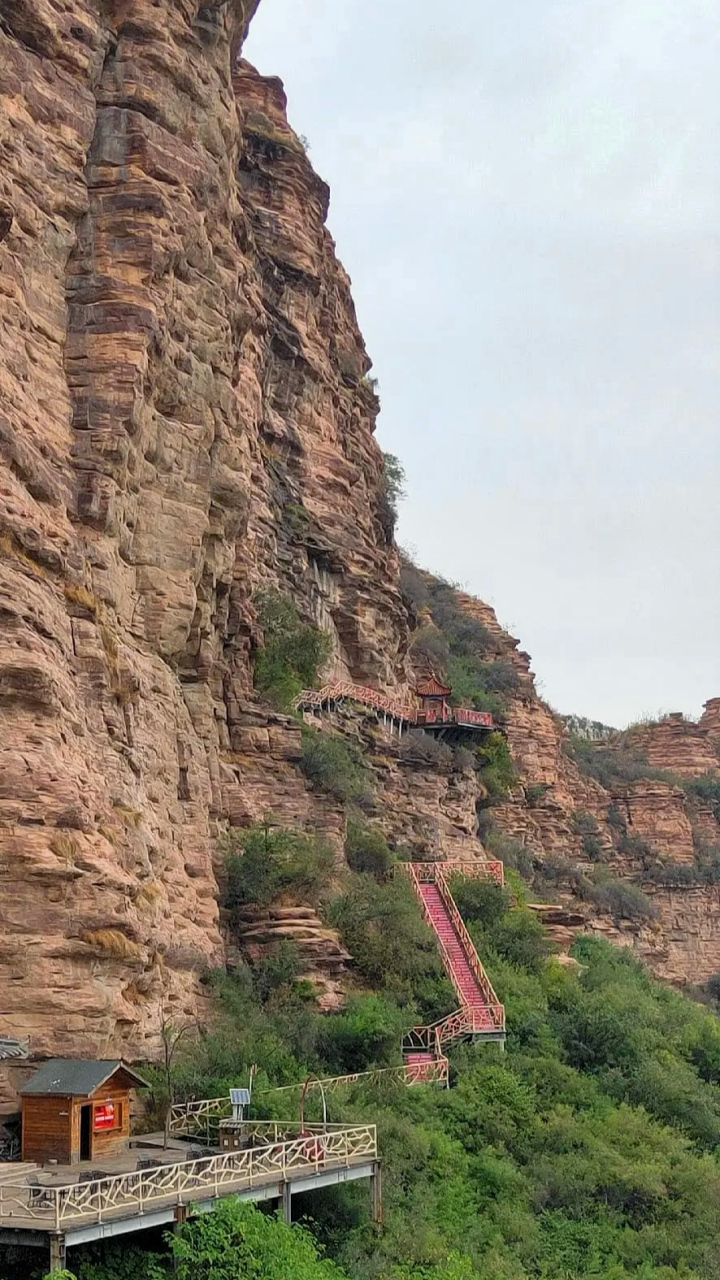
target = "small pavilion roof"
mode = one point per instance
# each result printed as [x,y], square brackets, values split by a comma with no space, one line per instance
[433,688]
[78,1077]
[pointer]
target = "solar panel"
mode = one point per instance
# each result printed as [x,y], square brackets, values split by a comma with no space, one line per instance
[240,1097]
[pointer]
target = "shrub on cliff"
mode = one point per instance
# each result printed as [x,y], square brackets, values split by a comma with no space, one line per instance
[466,635]
[585,825]
[392,492]
[707,789]
[496,768]
[367,850]
[622,899]
[264,863]
[292,651]
[611,765]
[334,765]
[413,586]
[418,747]
[391,946]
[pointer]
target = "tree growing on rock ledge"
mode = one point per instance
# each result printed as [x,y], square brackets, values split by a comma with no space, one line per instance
[292,651]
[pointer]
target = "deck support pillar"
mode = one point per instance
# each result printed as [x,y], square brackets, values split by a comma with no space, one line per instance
[376,1192]
[57,1253]
[286,1203]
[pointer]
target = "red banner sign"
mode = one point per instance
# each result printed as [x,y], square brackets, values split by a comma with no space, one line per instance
[105,1116]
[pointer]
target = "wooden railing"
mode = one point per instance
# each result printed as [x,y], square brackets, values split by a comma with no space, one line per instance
[202,1118]
[275,1157]
[344,689]
[476,869]
[473,959]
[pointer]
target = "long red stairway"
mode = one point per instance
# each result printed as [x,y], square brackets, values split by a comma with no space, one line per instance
[480,1016]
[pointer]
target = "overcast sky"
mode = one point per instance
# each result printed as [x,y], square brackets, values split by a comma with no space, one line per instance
[527,197]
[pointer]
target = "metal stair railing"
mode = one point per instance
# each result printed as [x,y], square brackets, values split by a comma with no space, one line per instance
[468,1019]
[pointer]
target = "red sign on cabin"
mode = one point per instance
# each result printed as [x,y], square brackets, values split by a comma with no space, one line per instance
[105,1116]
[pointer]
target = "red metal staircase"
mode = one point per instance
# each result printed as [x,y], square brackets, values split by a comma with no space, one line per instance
[480,1016]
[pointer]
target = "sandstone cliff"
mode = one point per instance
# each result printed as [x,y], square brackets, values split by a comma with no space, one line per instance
[186,417]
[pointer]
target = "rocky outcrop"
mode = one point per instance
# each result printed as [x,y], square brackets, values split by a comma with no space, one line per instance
[321,957]
[678,745]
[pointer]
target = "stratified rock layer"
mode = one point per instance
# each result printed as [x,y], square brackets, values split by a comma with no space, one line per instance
[184,417]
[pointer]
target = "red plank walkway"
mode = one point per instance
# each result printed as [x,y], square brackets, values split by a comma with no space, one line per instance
[480,1016]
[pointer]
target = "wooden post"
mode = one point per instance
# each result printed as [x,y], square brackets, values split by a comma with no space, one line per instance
[57,1253]
[376,1192]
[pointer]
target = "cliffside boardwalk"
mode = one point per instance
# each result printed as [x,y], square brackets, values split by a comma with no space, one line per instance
[433,714]
[72,1205]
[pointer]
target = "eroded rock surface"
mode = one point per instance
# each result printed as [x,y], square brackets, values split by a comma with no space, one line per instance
[180,366]
[185,417]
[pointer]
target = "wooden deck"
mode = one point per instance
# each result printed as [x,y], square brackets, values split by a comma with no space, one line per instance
[278,1161]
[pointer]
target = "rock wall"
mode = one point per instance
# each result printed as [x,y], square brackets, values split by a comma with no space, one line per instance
[185,417]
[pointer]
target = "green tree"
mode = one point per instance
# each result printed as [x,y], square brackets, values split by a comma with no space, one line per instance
[292,651]
[265,862]
[237,1242]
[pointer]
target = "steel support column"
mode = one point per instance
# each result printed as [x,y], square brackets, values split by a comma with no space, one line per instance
[376,1192]
[286,1203]
[57,1253]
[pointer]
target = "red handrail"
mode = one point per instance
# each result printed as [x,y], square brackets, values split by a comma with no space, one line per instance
[405,712]
[469,1019]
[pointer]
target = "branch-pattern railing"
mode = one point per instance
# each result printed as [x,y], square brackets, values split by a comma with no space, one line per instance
[357,693]
[202,1118]
[273,1157]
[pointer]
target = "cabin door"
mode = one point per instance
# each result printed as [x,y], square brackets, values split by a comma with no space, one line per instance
[86,1133]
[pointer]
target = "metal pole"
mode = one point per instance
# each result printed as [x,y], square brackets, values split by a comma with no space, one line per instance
[286,1203]
[376,1192]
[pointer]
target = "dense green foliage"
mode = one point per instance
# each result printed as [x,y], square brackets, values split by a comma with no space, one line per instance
[333,765]
[292,651]
[264,862]
[237,1242]
[457,645]
[391,946]
[393,491]
[706,788]
[496,768]
[367,850]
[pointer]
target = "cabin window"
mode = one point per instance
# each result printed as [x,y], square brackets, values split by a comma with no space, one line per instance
[106,1116]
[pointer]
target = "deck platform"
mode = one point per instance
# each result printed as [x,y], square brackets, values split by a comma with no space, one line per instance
[64,1206]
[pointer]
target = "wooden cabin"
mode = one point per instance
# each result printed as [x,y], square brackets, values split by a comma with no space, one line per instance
[76,1109]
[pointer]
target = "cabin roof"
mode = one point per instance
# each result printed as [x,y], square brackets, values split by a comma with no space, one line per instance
[433,688]
[77,1077]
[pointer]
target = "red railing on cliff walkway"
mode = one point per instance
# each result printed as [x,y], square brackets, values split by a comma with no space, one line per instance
[402,713]
[481,1015]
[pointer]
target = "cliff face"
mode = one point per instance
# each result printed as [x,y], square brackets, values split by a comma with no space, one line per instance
[180,363]
[186,418]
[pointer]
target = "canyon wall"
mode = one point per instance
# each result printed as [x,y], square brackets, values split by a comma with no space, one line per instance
[186,418]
